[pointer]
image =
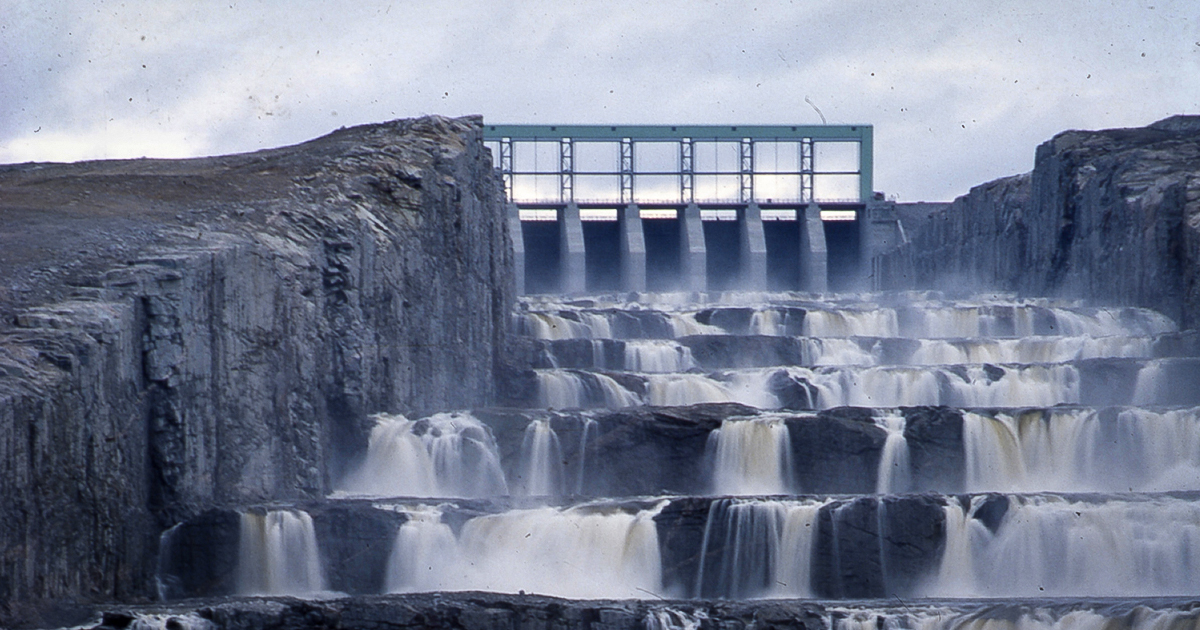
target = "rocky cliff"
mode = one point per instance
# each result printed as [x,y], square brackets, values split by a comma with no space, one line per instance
[1112,216]
[181,334]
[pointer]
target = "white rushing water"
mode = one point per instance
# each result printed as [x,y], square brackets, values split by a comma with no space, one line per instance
[667,618]
[757,548]
[838,352]
[542,473]
[559,389]
[1029,350]
[676,315]
[971,386]
[895,469]
[579,552]
[278,555]
[1047,545]
[444,455]
[751,456]
[851,323]
[1077,450]
[656,355]
[188,621]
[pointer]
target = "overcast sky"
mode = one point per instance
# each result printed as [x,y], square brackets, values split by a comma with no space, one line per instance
[959,92]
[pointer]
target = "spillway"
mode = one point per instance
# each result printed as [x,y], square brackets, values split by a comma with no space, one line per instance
[738,447]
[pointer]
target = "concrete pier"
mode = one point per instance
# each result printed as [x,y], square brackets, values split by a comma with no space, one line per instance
[693,255]
[633,249]
[814,255]
[572,261]
[753,244]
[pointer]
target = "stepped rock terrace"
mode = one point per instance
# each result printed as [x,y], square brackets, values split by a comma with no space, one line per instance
[656,469]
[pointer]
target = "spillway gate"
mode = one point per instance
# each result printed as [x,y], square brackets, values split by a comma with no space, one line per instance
[700,207]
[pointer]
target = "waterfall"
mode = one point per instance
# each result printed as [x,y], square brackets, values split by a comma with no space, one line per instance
[878,322]
[1047,545]
[751,456]
[1075,450]
[424,555]
[551,326]
[757,549]
[765,323]
[560,389]
[580,552]
[685,389]
[1158,451]
[542,463]
[1149,387]
[837,352]
[993,454]
[895,471]
[956,573]
[586,435]
[188,621]
[277,554]
[673,619]
[444,455]
[966,386]
[1029,386]
[1057,498]
[656,355]
[1029,350]
[685,325]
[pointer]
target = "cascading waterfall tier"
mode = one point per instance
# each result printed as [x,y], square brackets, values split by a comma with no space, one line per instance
[754,445]
[581,552]
[1056,546]
[444,455]
[757,548]
[277,554]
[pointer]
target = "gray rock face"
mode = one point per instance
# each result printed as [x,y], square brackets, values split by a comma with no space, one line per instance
[215,331]
[475,611]
[1112,216]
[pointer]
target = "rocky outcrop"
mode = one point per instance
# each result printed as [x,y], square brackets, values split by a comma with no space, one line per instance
[1112,216]
[182,334]
[489,611]
[471,611]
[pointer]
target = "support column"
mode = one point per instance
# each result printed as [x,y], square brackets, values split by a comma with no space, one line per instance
[633,249]
[693,256]
[517,235]
[572,263]
[753,243]
[814,256]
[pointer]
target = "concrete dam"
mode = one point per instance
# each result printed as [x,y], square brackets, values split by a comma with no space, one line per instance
[697,208]
[388,378]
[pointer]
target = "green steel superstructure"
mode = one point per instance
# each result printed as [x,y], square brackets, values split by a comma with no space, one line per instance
[745,173]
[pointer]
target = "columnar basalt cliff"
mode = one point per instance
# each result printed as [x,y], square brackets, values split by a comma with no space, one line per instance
[181,334]
[1112,216]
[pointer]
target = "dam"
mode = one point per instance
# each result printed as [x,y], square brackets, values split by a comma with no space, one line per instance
[433,444]
[699,207]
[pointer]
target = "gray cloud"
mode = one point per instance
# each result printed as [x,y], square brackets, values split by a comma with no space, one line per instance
[959,92]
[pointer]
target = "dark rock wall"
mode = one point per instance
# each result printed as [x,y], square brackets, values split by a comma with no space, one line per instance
[230,351]
[73,475]
[1112,216]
